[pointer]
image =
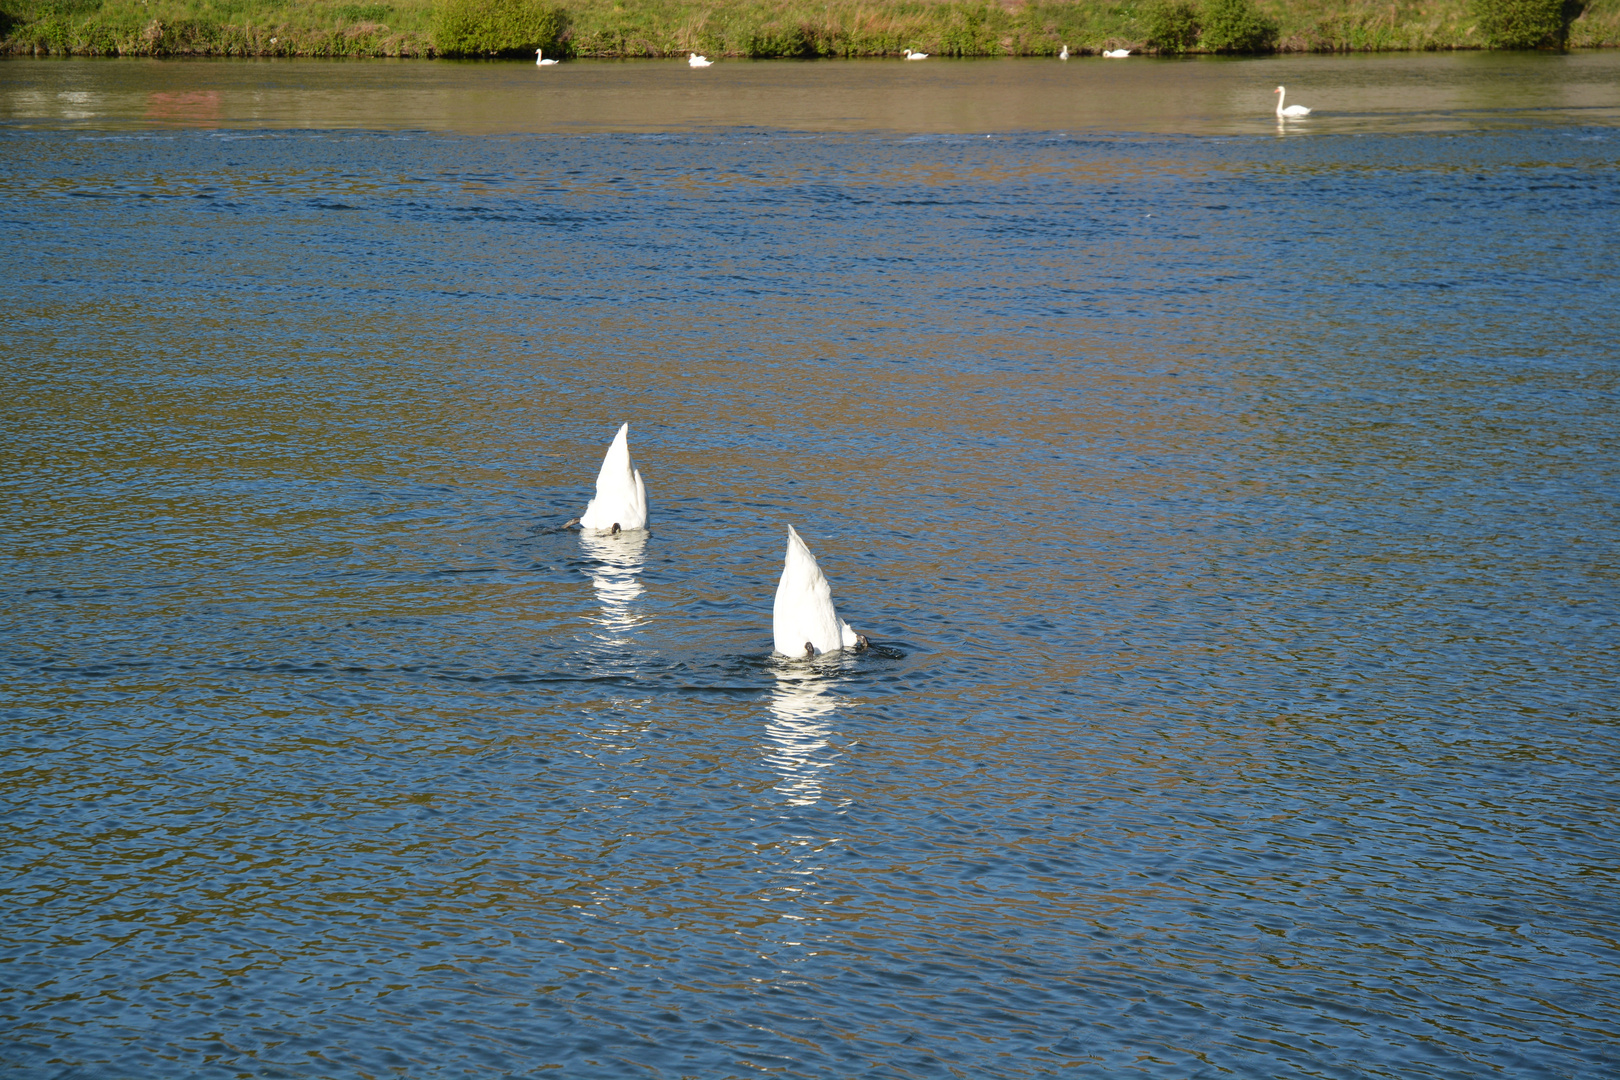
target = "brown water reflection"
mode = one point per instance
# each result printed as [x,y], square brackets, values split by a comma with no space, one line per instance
[201,108]
[1367,93]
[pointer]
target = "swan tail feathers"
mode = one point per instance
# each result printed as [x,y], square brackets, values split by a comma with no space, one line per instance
[804,609]
[621,497]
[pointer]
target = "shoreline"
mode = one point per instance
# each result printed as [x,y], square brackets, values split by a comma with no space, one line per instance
[668,29]
[675,58]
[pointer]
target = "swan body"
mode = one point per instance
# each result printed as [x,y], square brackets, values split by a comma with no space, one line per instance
[916,55]
[1292,110]
[541,61]
[694,60]
[803,621]
[621,498]
[1116,54]
[1064,55]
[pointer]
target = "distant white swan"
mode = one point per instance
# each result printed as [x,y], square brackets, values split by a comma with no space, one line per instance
[541,61]
[694,60]
[621,498]
[1116,54]
[916,55]
[1292,110]
[1064,55]
[804,622]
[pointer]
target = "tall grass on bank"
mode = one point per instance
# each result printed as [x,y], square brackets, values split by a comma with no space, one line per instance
[498,27]
[1525,24]
[215,28]
[789,28]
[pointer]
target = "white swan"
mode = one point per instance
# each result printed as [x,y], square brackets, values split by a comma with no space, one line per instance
[1292,110]
[541,61]
[1116,54]
[916,55]
[621,498]
[804,622]
[1064,55]
[694,60]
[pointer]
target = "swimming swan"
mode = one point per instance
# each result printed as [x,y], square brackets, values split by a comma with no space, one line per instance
[1116,54]
[1292,110]
[804,622]
[694,60]
[915,55]
[1064,55]
[621,498]
[541,61]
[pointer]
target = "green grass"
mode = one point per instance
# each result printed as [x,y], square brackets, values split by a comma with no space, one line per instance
[661,28]
[216,28]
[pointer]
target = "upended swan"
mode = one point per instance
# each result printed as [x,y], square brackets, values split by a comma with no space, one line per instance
[621,498]
[694,60]
[1116,54]
[915,55]
[1292,110]
[803,621]
[541,61]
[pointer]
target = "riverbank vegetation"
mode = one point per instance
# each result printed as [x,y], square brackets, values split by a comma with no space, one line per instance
[791,28]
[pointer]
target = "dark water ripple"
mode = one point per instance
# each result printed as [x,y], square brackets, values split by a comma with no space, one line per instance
[1243,575]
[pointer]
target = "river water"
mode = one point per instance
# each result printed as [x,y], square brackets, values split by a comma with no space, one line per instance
[1232,509]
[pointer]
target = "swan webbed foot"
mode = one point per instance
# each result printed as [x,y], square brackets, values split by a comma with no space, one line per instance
[862,642]
[809,648]
[615,528]
[570,523]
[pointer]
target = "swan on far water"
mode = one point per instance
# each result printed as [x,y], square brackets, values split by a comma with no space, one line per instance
[1116,54]
[1292,110]
[916,55]
[621,498]
[541,61]
[694,60]
[1064,55]
[804,622]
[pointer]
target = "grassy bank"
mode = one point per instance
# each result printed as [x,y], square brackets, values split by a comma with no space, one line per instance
[654,28]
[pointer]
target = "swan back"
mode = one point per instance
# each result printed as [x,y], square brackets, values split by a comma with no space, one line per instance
[621,497]
[804,608]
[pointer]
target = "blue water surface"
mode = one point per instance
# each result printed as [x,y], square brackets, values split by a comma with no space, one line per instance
[1234,518]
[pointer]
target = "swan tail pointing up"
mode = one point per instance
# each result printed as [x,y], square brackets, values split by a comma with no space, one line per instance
[621,497]
[804,616]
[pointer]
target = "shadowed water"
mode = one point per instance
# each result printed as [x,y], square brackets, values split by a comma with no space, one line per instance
[1233,518]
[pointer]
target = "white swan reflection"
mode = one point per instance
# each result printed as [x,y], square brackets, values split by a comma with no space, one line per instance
[801,720]
[617,579]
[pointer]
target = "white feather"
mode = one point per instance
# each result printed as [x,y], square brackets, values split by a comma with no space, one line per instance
[804,609]
[621,497]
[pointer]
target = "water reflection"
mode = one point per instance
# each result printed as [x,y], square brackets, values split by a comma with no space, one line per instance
[801,720]
[617,580]
[801,717]
[202,108]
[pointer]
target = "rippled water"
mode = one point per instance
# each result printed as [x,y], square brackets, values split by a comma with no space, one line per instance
[1234,517]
